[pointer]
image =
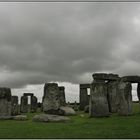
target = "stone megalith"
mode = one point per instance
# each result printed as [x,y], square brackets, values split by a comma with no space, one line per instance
[112,95]
[98,106]
[138,91]
[15,106]
[24,104]
[84,98]
[124,98]
[34,104]
[51,101]
[131,79]
[62,96]
[5,102]
[101,77]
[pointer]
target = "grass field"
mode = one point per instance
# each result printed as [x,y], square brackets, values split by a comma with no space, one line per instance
[80,127]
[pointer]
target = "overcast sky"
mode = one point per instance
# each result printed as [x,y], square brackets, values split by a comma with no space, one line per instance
[66,43]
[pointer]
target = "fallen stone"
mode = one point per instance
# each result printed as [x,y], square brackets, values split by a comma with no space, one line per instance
[67,111]
[6,117]
[82,115]
[41,118]
[20,118]
[50,118]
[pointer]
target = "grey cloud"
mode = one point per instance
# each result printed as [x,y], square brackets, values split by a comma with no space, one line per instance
[67,42]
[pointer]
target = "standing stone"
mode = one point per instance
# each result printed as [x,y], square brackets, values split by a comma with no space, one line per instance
[34,104]
[24,104]
[68,104]
[75,106]
[5,102]
[51,101]
[124,98]
[15,107]
[112,96]
[84,99]
[98,100]
[62,96]
[138,91]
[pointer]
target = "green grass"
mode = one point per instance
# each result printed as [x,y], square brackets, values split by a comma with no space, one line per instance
[80,127]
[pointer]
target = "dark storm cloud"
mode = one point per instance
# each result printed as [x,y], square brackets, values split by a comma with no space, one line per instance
[67,42]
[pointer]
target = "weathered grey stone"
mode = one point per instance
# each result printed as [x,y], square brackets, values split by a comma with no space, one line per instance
[99,77]
[62,96]
[15,107]
[131,79]
[84,85]
[112,96]
[34,104]
[68,104]
[24,104]
[84,99]
[41,118]
[67,111]
[6,117]
[75,106]
[5,102]
[50,118]
[20,118]
[86,110]
[138,91]
[51,101]
[124,98]
[98,106]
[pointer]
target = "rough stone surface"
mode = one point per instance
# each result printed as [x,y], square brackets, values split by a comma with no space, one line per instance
[98,106]
[86,110]
[75,106]
[24,104]
[112,96]
[104,76]
[131,79]
[20,118]
[138,91]
[15,106]
[50,118]
[51,101]
[6,117]
[84,85]
[62,96]
[34,104]
[67,111]
[124,98]
[84,99]
[5,102]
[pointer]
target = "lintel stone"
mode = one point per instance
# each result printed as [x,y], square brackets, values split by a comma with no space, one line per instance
[84,85]
[131,79]
[105,76]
